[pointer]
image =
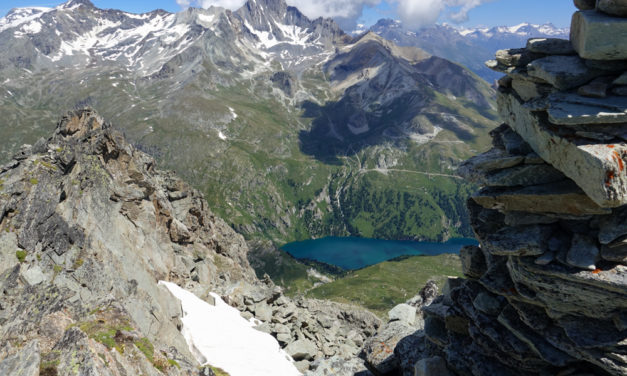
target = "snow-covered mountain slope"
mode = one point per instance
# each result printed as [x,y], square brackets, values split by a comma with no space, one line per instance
[470,47]
[524,30]
[79,35]
[266,111]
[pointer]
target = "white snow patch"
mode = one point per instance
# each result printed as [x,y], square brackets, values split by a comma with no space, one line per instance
[108,41]
[233,113]
[22,15]
[32,27]
[295,34]
[221,135]
[206,18]
[266,38]
[465,32]
[219,336]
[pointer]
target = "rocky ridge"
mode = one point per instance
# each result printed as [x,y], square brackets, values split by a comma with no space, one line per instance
[546,290]
[89,227]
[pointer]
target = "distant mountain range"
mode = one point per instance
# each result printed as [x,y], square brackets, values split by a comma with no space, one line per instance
[291,128]
[470,47]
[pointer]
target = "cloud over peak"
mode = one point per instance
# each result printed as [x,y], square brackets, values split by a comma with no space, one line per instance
[413,13]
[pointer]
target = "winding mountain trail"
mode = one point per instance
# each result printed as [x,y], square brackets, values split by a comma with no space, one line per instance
[386,170]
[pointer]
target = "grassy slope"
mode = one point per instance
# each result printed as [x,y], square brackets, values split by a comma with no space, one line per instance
[382,286]
[258,179]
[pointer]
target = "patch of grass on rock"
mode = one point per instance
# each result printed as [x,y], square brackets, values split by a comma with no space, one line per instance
[21,255]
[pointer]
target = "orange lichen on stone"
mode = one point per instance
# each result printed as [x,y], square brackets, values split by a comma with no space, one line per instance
[621,166]
[596,271]
[609,175]
[386,348]
[610,146]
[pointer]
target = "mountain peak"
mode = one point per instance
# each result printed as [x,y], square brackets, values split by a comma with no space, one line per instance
[276,7]
[77,3]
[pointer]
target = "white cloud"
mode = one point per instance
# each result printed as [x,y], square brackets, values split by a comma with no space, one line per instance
[332,8]
[413,13]
[345,12]
[418,13]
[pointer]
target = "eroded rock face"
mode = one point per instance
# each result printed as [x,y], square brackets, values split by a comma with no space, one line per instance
[546,290]
[89,227]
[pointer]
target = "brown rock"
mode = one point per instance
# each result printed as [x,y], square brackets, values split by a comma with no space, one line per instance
[613,7]
[598,36]
[585,4]
[615,251]
[550,46]
[595,89]
[473,261]
[556,198]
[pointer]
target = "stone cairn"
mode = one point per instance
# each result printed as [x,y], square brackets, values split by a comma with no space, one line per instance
[546,292]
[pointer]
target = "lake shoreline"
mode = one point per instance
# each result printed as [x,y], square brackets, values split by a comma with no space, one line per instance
[352,253]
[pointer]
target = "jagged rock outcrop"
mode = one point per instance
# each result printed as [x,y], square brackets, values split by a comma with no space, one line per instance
[400,343]
[310,330]
[546,291]
[89,227]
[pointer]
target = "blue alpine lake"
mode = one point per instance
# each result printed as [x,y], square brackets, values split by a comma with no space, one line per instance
[356,253]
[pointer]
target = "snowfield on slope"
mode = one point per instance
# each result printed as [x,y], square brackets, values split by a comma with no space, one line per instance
[219,336]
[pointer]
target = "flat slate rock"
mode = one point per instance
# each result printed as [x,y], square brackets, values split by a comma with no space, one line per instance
[572,109]
[594,90]
[583,252]
[528,90]
[556,198]
[519,241]
[515,57]
[474,168]
[599,169]
[550,46]
[598,36]
[524,175]
[563,72]
[563,289]
[578,114]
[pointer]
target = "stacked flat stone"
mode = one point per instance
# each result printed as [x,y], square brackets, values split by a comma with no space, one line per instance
[546,291]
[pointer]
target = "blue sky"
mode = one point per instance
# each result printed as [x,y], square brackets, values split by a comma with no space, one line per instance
[490,13]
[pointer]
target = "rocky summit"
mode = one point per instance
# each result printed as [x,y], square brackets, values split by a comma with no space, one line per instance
[89,228]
